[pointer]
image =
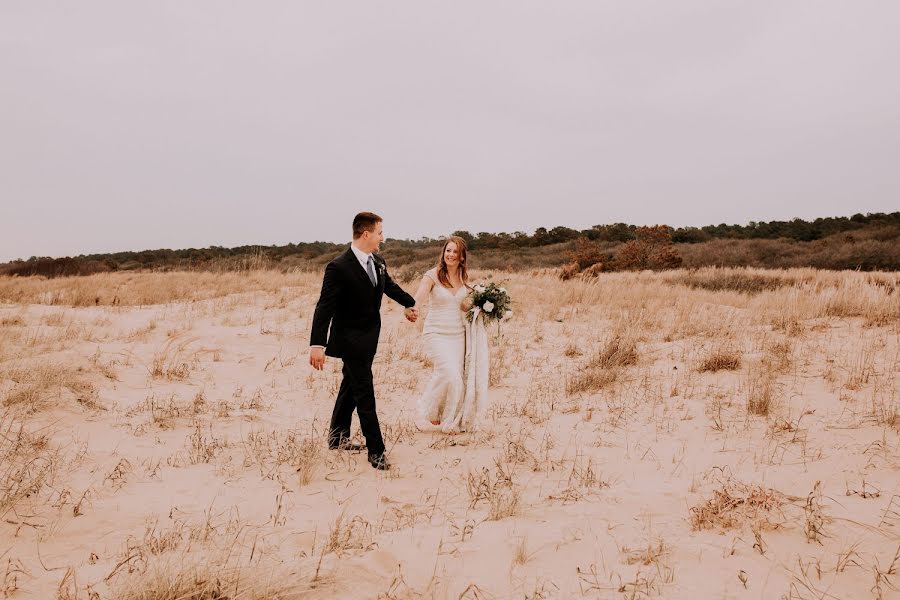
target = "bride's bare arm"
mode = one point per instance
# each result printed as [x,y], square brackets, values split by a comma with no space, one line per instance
[424,289]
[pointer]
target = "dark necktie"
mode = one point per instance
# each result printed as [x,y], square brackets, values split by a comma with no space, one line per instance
[370,269]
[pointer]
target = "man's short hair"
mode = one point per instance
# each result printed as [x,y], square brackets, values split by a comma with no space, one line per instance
[364,221]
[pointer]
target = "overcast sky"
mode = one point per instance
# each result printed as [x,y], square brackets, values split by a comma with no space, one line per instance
[135,125]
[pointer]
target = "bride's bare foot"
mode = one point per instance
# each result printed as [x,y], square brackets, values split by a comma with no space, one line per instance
[435,422]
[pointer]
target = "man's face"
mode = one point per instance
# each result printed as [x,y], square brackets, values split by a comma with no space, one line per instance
[372,239]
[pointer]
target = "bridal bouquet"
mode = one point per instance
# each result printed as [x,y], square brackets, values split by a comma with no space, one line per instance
[491,300]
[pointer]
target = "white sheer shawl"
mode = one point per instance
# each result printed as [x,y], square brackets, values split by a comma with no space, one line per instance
[477,373]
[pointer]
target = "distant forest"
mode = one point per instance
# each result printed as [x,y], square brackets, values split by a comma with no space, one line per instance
[866,242]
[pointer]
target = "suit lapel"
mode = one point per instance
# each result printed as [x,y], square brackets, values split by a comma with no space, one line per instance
[355,267]
[379,274]
[362,275]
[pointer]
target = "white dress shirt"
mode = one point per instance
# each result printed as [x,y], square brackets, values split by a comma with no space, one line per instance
[363,259]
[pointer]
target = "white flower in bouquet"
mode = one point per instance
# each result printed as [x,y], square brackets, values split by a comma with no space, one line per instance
[489,301]
[507,315]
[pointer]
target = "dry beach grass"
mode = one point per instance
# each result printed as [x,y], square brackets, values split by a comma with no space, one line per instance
[687,434]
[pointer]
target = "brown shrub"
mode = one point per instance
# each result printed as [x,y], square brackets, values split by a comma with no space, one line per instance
[652,249]
[594,270]
[665,257]
[840,251]
[586,253]
[567,272]
[57,267]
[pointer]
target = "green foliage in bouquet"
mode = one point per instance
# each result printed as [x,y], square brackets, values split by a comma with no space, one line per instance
[492,299]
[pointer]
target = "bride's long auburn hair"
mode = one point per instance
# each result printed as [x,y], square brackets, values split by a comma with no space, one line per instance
[443,273]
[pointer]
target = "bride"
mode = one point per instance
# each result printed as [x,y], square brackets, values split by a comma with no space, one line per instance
[456,395]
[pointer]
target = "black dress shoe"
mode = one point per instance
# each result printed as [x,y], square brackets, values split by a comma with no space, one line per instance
[379,461]
[346,445]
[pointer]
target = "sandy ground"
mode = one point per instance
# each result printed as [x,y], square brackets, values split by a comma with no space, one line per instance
[152,450]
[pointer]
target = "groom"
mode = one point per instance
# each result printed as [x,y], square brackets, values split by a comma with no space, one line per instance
[350,302]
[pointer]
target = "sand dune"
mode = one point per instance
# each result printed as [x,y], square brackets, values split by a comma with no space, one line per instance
[649,437]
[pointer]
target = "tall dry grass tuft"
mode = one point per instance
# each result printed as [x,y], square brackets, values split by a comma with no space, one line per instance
[190,576]
[647,555]
[216,558]
[272,450]
[824,294]
[875,299]
[520,552]
[497,489]
[886,578]
[619,351]
[761,390]
[779,356]
[175,360]
[29,463]
[583,480]
[498,367]
[722,358]
[14,320]
[815,517]
[348,534]
[202,448]
[12,339]
[606,366]
[36,385]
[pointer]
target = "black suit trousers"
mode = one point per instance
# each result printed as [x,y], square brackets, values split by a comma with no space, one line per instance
[357,393]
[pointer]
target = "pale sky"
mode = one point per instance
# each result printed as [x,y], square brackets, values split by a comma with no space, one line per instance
[173,124]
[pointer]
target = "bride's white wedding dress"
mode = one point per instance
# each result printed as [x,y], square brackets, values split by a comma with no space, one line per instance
[456,395]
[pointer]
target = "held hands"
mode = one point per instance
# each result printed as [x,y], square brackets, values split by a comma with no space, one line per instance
[317,353]
[317,358]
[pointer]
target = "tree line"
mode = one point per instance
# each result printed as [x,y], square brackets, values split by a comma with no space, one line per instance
[795,229]
[612,244]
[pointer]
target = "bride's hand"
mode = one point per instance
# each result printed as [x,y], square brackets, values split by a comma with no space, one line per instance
[466,304]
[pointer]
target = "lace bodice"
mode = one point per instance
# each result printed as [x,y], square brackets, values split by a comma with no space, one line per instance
[444,315]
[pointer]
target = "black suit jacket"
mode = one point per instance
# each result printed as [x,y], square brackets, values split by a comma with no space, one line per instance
[352,306]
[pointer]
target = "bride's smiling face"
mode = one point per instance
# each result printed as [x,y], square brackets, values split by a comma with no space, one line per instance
[451,255]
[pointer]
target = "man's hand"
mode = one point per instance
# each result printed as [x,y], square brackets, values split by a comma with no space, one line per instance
[411,313]
[317,358]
